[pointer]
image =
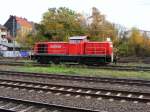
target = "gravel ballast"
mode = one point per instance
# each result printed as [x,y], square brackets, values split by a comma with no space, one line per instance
[78,83]
[101,105]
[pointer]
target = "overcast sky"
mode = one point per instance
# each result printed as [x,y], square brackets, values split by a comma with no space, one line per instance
[130,13]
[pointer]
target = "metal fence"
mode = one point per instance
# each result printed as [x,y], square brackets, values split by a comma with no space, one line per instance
[15,54]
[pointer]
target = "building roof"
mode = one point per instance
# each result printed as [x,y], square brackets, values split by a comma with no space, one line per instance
[2,27]
[23,22]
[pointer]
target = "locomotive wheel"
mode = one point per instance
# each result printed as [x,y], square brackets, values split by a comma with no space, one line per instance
[43,61]
[56,61]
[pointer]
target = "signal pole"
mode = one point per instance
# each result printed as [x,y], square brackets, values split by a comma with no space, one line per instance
[13,33]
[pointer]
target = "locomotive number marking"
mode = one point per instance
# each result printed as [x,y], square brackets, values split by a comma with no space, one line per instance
[55,46]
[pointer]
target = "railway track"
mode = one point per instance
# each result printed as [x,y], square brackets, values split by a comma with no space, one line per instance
[137,82]
[87,92]
[145,60]
[13,63]
[122,68]
[108,67]
[110,95]
[18,105]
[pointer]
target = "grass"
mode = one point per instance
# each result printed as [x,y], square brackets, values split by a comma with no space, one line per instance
[61,69]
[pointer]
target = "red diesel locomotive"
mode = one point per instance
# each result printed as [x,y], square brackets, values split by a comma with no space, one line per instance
[78,49]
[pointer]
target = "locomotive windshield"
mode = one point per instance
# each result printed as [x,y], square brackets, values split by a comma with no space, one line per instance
[75,41]
[78,39]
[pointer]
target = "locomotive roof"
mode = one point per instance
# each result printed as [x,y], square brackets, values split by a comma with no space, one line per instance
[78,37]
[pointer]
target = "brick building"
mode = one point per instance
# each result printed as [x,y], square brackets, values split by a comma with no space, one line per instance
[18,25]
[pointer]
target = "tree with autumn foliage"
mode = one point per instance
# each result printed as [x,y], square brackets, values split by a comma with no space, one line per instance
[135,41]
[139,45]
[100,28]
[59,24]
[136,44]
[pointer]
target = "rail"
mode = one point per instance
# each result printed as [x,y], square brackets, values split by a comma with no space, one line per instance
[87,92]
[138,82]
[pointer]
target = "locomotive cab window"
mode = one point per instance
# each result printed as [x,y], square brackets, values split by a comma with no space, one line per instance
[42,48]
[78,39]
[75,41]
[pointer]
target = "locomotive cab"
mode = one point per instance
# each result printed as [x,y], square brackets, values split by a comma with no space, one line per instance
[78,39]
[76,45]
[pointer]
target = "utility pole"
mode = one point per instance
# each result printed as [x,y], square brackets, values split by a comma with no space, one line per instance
[13,33]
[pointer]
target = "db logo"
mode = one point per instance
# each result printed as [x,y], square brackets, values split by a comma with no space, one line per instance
[55,46]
